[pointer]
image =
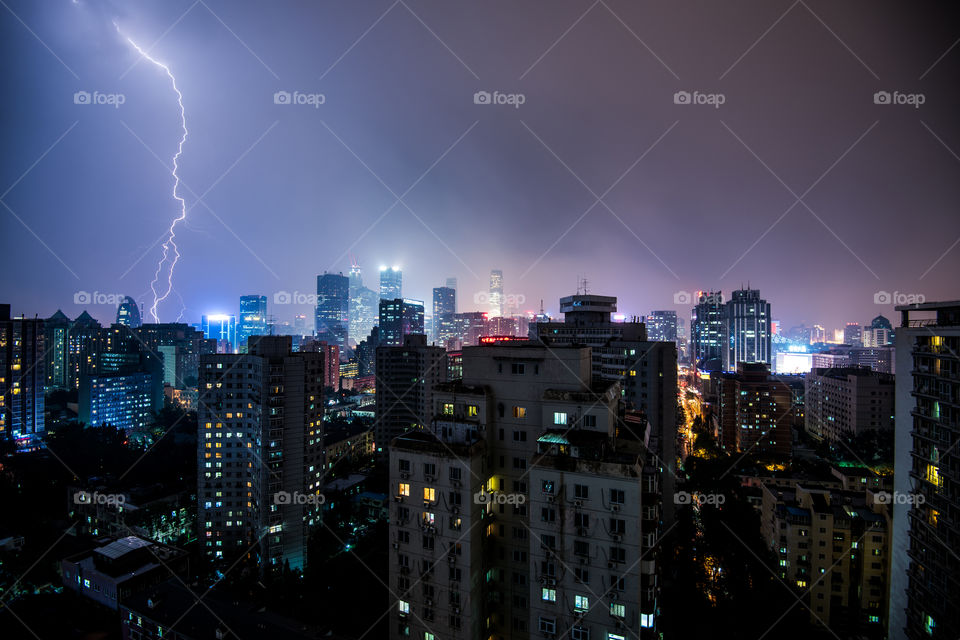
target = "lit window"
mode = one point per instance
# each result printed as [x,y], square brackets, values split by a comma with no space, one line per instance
[618,610]
[448,408]
[473,410]
[519,412]
[429,494]
[581,603]
[403,606]
[560,417]
[428,518]
[548,595]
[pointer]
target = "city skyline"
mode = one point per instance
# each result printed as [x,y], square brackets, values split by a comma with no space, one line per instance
[739,184]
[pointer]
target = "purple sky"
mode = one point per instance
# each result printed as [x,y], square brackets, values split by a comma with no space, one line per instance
[693,196]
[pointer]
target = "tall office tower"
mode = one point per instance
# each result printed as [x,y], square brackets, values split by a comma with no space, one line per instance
[444,309]
[452,284]
[495,299]
[878,334]
[56,336]
[707,330]
[364,304]
[662,326]
[128,313]
[84,343]
[260,453]
[300,323]
[683,340]
[391,283]
[406,375]
[925,574]
[747,334]
[253,319]
[756,411]
[470,326]
[846,402]
[646,370]
[853,334]
[23,376]
[333,309]
[818,335]
[223,329]
[399,317]
[180,345]
[526,470]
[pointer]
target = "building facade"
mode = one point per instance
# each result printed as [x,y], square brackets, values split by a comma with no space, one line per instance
[333,309]
[844,403]
[747,336]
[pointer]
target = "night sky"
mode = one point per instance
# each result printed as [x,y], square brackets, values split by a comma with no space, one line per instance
[692,196]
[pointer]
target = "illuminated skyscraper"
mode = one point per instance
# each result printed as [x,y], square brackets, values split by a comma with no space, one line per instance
[444,309]
[707,330]
[747,329]
[253,319]
[56,331]
[398,318]
[496,293]
[333,309]
[391,283]
[853,334]
[452,284]
[363,307]
[223,329]
[662,326]
[128,313]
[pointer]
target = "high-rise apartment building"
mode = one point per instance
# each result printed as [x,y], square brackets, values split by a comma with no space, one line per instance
[853,334]
[84,343]
[406,377]
[846,402]
[23,378]
[756,411]
[523,511]
[260,453]
[391,283]
[707,331]
[747,329]
[925,577]
[444,310]
[333,309]
[662,326]
[399,317]
[253,319]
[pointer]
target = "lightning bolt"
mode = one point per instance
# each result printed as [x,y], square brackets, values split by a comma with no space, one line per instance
[171,254]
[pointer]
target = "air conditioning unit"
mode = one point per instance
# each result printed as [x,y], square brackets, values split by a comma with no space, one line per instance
[455,509]
[609,565]
[617,537]
[452,559]
[551,497]
[396,545]
[404,475]
[578,614]
[614,596]
[578,503]
[455,483]
[615,507]
[429,478]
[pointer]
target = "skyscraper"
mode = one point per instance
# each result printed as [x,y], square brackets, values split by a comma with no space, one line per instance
[707,327]
[391,283]
[222,328]
[56,331]
[22,379]
[924,576]
[747,332]
[444,309]
[452,284]
[495,299]
[128,313]
[399,317]
[363,307]
[662,326]
[852,334]
[333,309]
[253,319]
[878,334]
[260,453]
